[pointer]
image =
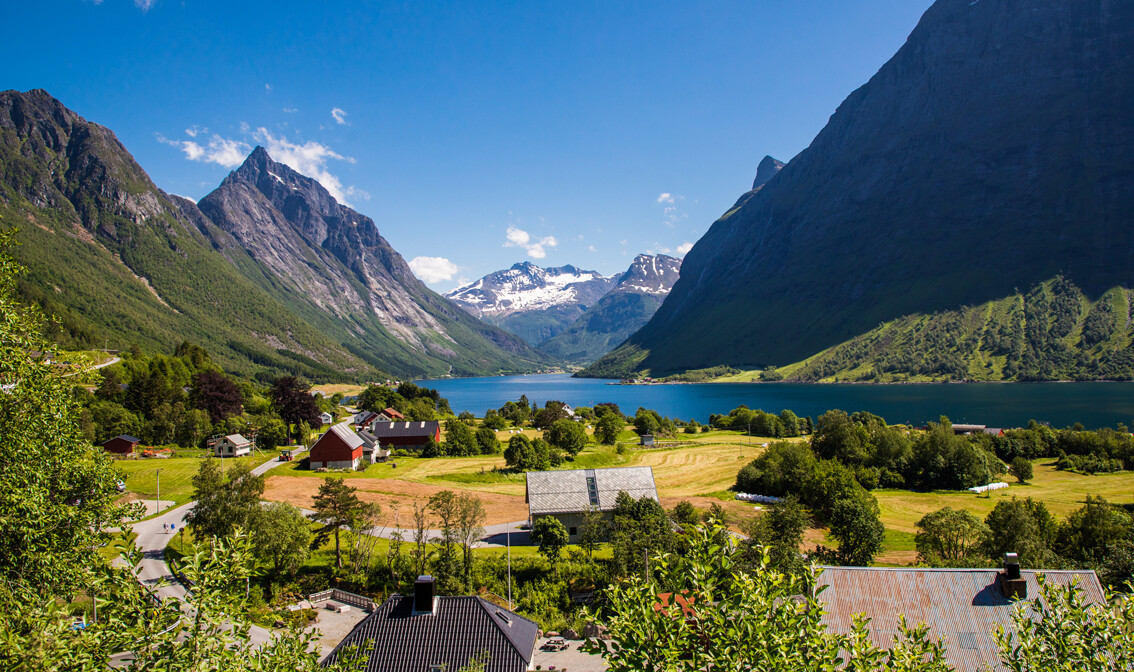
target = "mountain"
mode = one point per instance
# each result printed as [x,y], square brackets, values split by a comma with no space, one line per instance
[991,153]
[331,266]
[532,302]
[117,261]
[1053,332]
[623,310]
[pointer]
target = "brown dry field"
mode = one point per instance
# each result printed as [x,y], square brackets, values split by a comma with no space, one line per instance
[301,491]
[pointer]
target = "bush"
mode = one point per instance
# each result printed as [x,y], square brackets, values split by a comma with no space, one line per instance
[1022,469]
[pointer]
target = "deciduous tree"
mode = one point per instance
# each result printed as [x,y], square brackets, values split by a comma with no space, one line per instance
[336,506]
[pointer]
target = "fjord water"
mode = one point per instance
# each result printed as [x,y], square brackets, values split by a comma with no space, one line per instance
[993,404]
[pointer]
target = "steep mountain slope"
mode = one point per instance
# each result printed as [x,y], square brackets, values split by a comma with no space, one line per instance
[329,264]
[532,302]
[627,307]
[118,261]
[1053,332]
[992,152]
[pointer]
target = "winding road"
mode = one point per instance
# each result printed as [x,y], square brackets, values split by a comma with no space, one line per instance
[153,536]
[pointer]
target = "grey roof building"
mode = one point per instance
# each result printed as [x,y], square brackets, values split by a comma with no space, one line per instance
[962,606]
[423,632]
[567,495]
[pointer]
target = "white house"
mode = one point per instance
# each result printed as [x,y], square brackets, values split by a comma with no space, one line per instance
[233,445]
[327,418]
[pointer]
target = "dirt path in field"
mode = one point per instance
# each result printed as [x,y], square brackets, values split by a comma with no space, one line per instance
[300,491]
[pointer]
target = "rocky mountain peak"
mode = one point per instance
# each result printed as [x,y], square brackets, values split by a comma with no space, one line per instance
[650,274]
[766,170]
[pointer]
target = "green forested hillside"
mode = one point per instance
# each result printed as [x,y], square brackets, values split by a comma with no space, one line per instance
[1053,332]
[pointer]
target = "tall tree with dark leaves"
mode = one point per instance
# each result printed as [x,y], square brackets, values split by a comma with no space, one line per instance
[336,505]
[293,402]
[216,394]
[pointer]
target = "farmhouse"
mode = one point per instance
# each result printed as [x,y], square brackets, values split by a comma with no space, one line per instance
[408,435]
[338,448]
[123,444]
[423,631]
[233,445]
[390,415]
[962,606]
[567,495]
[326,418]
[372,450]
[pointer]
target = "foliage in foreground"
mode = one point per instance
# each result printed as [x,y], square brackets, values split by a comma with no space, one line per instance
[723,617]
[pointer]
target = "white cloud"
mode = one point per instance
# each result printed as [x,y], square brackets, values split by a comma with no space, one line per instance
[290,110]
[144,5]
[592,248]
[221,151]
[665,198]
[267,87]
[535,248]
[432,269]
[670,214]
[684,248]
[310,159]
[340,116]
[194,130]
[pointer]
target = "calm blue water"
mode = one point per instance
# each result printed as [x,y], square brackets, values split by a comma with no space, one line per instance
[996,405]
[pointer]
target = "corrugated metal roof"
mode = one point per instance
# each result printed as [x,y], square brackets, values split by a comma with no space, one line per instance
[568,491]
[344,432]
[461,628]
[237,439]
[963,606]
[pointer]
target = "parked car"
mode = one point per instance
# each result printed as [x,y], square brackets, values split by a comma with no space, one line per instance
[121,484]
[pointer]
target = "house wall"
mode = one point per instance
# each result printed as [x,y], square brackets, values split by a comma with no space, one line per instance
[569,520]
[120,446]
[226,448]
[330,450]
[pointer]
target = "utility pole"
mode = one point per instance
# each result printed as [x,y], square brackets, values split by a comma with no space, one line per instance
[157,475]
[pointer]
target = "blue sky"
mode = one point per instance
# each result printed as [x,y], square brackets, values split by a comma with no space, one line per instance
[475,134]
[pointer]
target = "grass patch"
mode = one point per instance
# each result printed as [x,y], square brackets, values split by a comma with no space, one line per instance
[141,475]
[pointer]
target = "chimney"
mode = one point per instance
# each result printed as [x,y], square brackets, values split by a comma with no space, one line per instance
[423,595]
[1013,585]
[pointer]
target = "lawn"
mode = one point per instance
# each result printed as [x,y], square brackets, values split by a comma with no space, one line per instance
[176,474]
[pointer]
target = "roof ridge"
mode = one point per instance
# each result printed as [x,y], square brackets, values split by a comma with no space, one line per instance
[489,607]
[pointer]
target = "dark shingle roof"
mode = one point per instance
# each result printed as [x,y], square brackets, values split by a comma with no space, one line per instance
[125,437]
[390,430]
[569,491]
[461,628]
[963,606]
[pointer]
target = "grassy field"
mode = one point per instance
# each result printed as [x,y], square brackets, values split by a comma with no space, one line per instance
[176,474]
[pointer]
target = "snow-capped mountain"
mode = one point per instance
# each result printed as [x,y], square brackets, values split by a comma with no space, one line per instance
[526,287]
[538,304]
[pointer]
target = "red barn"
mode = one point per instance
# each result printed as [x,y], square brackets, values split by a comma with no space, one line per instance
[339,448]
[123,444]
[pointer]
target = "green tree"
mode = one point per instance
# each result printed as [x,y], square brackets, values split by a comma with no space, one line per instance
[336,506]
[525,455]
[1086,533]
[294,403]
[446,507]
[486,441]
[281,534]
[567,435]
[225,502]
[593,531]
[216,394]
[460,440]
[855,526]
[1060,632]
[469,528]
[1022,469]
[638,529]
[608,428]
[778,534]
[551,536]
[950,538]
[57,491]
[741,620]
[1024,527]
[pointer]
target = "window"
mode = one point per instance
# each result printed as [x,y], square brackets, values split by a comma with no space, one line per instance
[573,531]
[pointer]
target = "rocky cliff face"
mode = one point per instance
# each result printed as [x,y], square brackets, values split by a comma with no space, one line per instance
[112,257]
[272,276]
[330,263]
[991,153]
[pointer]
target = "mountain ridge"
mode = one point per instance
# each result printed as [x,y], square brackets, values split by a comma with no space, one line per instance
[990,153]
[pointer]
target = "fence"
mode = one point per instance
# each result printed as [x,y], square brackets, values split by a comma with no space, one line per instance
[344,597]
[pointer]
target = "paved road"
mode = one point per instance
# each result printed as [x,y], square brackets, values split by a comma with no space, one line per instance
[153,537]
